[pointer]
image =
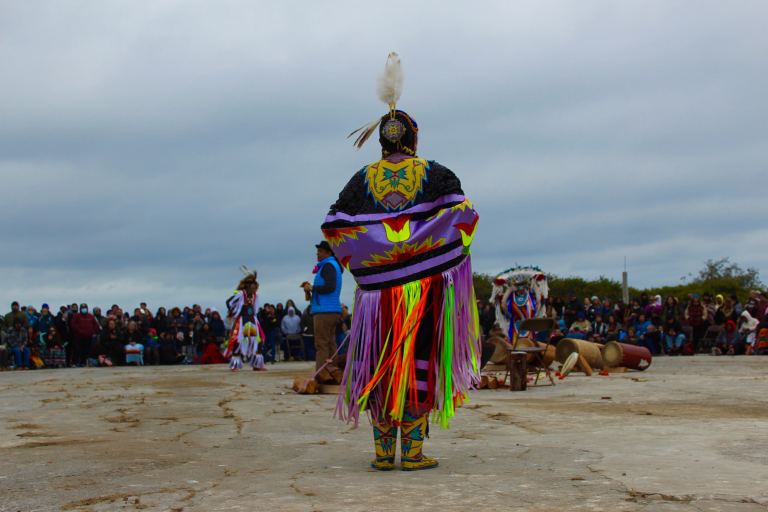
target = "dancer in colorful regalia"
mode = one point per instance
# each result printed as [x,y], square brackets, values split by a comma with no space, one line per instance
[403,227]
[247,335]
[520,306]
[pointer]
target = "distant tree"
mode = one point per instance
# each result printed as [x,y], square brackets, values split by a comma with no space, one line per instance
[723,268]
[602,287]
[717,276]
[483,285]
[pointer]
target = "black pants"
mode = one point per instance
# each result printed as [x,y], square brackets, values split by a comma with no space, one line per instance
[80,350]
[698,334]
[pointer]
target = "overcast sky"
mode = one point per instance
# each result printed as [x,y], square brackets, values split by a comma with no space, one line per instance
[147,149]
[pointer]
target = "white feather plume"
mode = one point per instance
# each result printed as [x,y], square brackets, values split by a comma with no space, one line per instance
[248,272]
[390,85]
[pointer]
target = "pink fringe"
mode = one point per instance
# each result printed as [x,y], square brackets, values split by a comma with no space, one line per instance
[365,346]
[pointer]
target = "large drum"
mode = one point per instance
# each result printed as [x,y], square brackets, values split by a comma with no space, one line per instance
[588,350]
[630,356]
[549,353]
[500,348]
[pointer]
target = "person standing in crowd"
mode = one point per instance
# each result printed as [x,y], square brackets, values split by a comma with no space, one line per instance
[16,339]
[487,317]
[737,305]
[160,321]
[271,325]
[4,350]
[280,311]
[188,343]
[696,315]
[326,311]
[218,329]
[725,311]
[748,330]
[593,307]
[342,329]
[62,327]
[291,304]
[152,347]
[84,328]
[653,311]
[308,333]
[141,321]
[101,319]
[32,318]
[112,342]
[46,320]
[291,329]
[756,305]
[176,322]
[15,314]
[710,306]
[670,312]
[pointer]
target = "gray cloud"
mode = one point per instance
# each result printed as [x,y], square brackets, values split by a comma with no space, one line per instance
[148,150]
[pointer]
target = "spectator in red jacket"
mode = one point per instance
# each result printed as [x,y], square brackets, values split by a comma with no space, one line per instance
[83,328]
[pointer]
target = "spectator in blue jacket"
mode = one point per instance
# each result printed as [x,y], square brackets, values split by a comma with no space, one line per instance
[673,340]
[642,325]
[326,311]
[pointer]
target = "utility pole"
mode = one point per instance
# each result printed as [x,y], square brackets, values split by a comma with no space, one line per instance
[625,284]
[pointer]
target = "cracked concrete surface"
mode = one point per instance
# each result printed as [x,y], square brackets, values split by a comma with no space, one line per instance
[690,434]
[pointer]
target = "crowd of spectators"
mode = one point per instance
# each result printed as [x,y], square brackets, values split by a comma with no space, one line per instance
[698,324]
[77,336]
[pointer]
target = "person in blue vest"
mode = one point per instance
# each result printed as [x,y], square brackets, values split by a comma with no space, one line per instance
[325,306]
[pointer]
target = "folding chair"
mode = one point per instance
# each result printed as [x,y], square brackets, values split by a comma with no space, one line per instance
[709,338]
[294,343]
[536,352]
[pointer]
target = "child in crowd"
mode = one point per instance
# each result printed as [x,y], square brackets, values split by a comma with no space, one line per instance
[134,353]
[599,329]
[152,347]
[631,336]
[673,340]
[188,344]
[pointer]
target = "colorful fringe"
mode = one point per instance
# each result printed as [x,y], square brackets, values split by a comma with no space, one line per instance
[380,375]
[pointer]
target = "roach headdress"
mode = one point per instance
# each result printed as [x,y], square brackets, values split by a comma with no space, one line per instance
[397,130]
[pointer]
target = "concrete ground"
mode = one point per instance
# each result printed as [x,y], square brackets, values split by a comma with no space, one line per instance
[688,434]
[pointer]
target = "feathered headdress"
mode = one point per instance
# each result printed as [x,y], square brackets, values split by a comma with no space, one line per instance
[249,276]
[248,273]
[389,89]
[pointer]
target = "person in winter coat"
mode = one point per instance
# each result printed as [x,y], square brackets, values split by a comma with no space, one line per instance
[290,326]
[83,328]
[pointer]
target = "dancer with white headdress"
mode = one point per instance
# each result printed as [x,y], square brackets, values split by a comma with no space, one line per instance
[403,227]
[247,335]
